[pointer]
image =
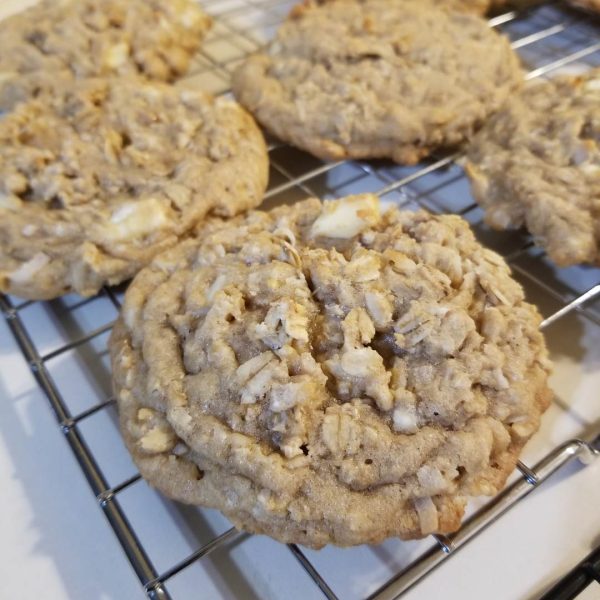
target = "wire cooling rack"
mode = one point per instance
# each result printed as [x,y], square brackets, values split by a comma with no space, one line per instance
[549,37]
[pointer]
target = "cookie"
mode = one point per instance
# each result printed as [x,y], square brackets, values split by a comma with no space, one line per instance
[97,180]
[377,79]
[56,40]
[536,164]
[326,373]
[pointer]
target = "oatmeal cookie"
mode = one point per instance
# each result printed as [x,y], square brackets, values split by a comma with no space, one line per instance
[326,373]
[95,181]
[48,44]
[536,163]
[377,79]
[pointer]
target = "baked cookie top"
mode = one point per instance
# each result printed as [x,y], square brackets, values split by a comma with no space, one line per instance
[57,39]
[536,163]
[377,79]
[96,180]
[326,373]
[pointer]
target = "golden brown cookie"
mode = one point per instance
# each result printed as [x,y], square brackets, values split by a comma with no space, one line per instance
[325,373]
[96,180]
[536,164]
[377,79]
[55,40]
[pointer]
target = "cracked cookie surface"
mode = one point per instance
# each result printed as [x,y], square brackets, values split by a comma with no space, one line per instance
[326,373]
[536,163]
[96,180]
[45,46]
[365,80]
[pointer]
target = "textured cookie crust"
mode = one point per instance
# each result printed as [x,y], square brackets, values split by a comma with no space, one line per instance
[96,180]
[536,163]
[58,39]
[327,374]
[377,79]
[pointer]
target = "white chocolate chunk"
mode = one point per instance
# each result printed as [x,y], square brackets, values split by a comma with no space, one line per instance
[360,362]
[145,414]
[29,230]
[157,440]
[10,202]
[28,269]
[136,219]
[117,55]
[432,479]
[590,168]
[428,515]
[343,219]
[286,396]
[405,421]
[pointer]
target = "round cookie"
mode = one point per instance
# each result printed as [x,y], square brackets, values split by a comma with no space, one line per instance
[377,79]
[97,180]
[58,39]
[536,163]
[325,373]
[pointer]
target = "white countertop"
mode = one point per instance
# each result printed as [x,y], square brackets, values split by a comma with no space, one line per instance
[54,542]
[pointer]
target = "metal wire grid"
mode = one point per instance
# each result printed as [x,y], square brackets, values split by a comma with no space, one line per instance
[547,38]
